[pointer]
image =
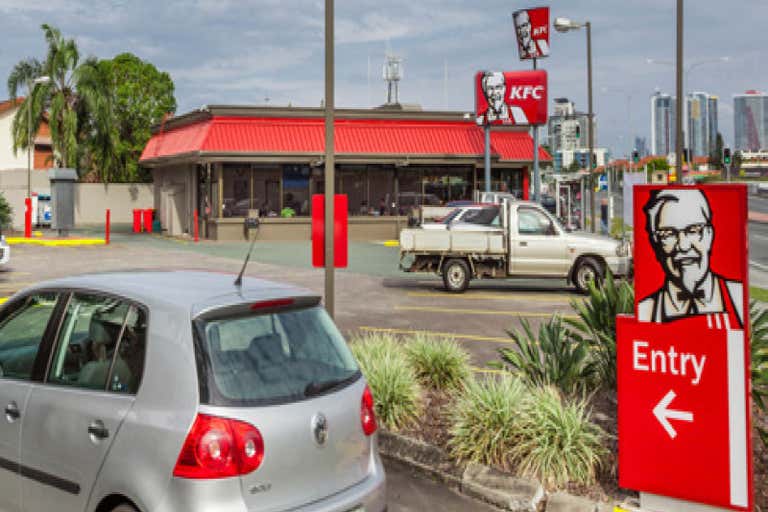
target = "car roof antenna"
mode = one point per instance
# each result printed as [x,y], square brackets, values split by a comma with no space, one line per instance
[239,280]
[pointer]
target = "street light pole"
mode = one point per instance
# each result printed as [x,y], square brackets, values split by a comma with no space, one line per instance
[329,160]
[679,92]
[591,116]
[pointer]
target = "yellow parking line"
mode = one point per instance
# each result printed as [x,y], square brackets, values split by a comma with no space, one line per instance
[391,243]
[463,311]
[489,296]
[74,242]
[459,336]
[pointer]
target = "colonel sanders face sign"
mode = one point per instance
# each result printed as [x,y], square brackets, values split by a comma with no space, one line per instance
[681,232]
[532,28]
[518,98]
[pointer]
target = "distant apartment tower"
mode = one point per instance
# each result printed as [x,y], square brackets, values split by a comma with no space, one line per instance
[641,146]
[662,123]
[702,123]
[750,121]
[567,128]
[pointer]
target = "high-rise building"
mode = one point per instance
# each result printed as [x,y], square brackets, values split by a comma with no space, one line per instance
[567,128]
[663,123]
[702,123]
[750,121]
[641,145]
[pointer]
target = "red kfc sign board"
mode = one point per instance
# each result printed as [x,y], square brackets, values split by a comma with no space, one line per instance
[532,30]
[683,360]
[513,98]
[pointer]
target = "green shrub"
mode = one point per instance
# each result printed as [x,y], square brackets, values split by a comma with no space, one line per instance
[759,353]
[558,442]
[393,383]
[484,420]
[549,358]
[439,362]
[5,213]
[596,324]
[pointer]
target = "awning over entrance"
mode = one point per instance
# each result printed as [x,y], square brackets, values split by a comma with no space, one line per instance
[399,138]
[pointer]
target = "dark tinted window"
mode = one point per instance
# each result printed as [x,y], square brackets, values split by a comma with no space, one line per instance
[277,357]
[21,330]
[484,216]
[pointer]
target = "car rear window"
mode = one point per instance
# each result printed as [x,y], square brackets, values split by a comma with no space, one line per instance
[278,357]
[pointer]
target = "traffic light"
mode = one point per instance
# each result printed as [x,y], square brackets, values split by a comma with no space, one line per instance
[635,156]
[578,131]
[727,156]
[686,155]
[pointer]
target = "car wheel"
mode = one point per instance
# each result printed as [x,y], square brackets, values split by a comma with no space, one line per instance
[588,269]
[456,275]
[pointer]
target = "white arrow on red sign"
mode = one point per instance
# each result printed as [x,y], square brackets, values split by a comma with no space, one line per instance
[664,414]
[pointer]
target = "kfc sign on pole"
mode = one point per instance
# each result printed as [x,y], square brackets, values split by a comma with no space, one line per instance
[514,98]
[532,29]
[683,360]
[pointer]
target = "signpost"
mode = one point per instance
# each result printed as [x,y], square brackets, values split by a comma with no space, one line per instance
[683,359]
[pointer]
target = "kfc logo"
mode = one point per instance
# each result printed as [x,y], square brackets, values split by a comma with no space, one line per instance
[517,98]
[532,29]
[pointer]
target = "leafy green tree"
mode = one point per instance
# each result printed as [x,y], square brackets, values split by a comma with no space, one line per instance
[136,96]
[5,213]
[71,93]
[716,156]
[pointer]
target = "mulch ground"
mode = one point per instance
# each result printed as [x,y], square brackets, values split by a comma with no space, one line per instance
[433,429]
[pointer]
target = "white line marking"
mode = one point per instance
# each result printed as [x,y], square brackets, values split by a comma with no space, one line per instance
[758,266]
[737,419]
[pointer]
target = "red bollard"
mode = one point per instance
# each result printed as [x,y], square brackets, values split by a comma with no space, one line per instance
[28,217]
[136,221]
[106,234]
[148,220]
[196,228]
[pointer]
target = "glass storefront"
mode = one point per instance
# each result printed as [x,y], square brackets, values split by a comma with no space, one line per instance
[372,190]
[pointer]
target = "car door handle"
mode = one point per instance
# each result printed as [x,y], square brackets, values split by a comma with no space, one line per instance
[523,244]
[98,430]
[12,411]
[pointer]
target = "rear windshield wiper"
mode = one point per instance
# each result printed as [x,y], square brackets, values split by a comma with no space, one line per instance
[316,388]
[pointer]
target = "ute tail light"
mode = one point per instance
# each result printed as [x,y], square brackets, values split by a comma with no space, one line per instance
[219,448]
[367,413]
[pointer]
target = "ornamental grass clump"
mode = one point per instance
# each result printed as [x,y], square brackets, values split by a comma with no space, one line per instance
[558,443]
[439,362]
[393,383]
[484,420]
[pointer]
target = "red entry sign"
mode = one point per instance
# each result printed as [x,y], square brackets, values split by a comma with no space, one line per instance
[683,411]
[683,359]
[340,238]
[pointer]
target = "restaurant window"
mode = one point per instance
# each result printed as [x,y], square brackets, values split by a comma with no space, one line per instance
[266,190]
[381,186]
[295,190]
[237,188]
[502,180]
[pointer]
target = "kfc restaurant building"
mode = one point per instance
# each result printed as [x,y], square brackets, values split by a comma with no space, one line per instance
[228,162]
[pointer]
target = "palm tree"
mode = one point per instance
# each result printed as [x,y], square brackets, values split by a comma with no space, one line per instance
[72,98]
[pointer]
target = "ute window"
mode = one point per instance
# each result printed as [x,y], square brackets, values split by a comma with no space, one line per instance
[274,358]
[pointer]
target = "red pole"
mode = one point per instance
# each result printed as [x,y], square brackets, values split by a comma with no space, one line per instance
[28,217]
[106,237]
[196,228]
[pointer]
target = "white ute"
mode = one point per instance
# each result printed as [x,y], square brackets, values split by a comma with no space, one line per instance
[526,242]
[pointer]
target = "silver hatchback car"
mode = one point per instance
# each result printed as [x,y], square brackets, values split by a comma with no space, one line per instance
[178,391]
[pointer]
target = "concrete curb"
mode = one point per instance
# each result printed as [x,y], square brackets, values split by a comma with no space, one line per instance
[483,483]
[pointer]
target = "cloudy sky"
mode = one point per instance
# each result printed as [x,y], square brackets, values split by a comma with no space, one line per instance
[257,51]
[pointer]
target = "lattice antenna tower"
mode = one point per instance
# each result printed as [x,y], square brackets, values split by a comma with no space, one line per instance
[392,74]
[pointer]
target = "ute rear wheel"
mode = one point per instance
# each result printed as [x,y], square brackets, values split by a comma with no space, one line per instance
[456,275]
[587,269]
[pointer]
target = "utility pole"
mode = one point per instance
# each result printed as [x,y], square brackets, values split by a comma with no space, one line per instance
[329,160]
[591,130]
[679,92]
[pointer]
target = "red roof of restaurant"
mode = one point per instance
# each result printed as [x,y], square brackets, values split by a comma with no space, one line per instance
[248,135]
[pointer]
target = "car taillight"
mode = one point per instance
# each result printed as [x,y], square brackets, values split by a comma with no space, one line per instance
[219,448]
[367,414]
